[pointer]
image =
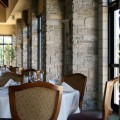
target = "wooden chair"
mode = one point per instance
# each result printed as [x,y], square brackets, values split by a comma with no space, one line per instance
[26,71]
[78,82]
[10,75]
[35,101]
[13,69]
[107,110]
[4,66]
[20,70]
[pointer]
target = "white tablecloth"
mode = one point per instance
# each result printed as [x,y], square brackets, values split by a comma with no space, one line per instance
[69,104]
[3,70]
[4,104]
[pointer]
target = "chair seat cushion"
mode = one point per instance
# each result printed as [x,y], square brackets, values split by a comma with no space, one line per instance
[86,116]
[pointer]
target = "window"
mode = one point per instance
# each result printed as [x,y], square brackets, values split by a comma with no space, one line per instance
[40,43]
[28,46]
[116,53]
[4,41]
[114,38]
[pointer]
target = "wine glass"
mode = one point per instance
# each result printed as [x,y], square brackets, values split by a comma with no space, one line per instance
[40,75]
[30,76]
[55,78]
[35,76]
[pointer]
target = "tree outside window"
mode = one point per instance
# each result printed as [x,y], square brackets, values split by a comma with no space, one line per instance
[6,51]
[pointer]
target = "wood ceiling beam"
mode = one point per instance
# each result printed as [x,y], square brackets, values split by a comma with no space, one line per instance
[4,3]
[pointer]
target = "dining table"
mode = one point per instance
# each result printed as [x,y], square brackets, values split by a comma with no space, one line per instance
[69,103]
[3,70]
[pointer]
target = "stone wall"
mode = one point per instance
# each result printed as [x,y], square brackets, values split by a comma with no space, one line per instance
[34,43]
[25,45]
[19,39]
[103,49]
[53,38]
[85,47]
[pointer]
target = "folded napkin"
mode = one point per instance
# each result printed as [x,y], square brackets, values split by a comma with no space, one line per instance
[7,70]
[1,73]
[67,88]
[10,83]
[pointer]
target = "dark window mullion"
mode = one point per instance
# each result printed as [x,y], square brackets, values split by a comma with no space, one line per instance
[111,41]
[112,66]
[39,42]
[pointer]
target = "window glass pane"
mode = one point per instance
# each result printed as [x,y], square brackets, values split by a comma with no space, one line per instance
[4,56]
[116,87]
[116,36]
[7,54]
[116,53]
[111,0]
[1,39]
[7,40]
[1,55]
[40,43]
[39,22]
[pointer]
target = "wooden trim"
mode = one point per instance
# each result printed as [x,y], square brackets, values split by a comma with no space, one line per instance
[107,109]
[4,3]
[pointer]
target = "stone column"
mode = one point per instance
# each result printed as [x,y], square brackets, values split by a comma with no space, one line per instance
[25,46]
[34,42]
[19,43]
[53,38]
[103,49]
[85,47]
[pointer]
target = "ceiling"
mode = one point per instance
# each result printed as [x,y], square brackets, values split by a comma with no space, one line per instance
[16,13]
[16,10]
[4,3]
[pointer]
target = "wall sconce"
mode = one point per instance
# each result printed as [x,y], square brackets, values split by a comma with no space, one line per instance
[13,17]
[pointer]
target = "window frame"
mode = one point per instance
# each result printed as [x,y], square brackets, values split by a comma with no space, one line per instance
[112,6]
[5,44]
[40,42]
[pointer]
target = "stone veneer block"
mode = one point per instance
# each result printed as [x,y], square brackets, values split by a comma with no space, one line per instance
[85,48]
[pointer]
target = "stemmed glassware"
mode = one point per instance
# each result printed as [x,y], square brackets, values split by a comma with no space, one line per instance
[34,76]
[40,75]
[30,76]
[54,79]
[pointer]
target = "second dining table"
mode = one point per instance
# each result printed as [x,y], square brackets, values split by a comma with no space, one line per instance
[69,103]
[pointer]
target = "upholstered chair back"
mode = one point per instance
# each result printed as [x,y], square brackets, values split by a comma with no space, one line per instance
[78,82]
[35,101]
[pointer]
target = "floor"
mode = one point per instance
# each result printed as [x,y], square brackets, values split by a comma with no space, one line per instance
[115,116]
